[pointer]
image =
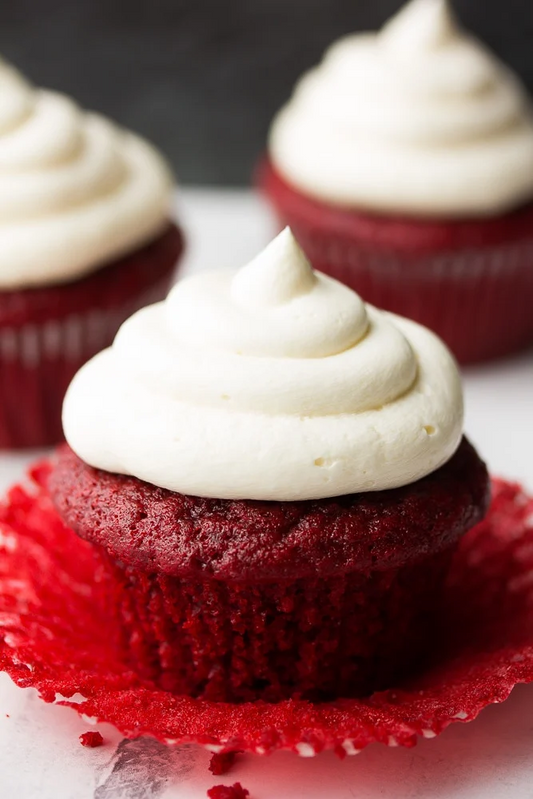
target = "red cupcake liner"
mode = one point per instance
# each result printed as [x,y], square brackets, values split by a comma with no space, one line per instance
[60,633]
[347,634]
[47,334]
[469,281]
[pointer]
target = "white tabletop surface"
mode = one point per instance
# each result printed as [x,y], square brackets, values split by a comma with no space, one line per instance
[492,757]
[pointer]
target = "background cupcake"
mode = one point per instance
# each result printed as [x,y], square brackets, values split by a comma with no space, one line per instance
[404,164]
[86,238]
[276,479]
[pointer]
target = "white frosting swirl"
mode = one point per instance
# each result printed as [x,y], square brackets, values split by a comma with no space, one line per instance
[274,382]
[419,118]
[75,191]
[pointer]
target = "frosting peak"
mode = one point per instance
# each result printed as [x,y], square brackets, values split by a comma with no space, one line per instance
[277,275]
[75,191]
[417,118]
[422,24]
[307,394]
[275,307]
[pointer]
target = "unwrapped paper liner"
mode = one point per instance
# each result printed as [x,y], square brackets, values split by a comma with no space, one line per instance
[56,635]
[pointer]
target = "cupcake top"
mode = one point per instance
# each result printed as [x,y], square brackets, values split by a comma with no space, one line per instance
[75,190]
[419,119]
[273,382]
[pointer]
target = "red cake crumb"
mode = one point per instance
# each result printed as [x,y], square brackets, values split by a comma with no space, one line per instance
[235,791]
[91,739]
[221,763]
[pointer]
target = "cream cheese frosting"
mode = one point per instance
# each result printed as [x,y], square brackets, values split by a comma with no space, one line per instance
[273,382]
[419,118]
[75,190]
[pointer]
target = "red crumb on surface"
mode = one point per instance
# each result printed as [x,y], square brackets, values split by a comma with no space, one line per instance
[221,763]
[235,791]
[91,739]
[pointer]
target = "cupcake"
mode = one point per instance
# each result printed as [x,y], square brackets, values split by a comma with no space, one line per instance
[404,165]
[86,238]
[275,477]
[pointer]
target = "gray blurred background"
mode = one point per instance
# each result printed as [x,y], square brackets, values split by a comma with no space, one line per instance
[202,78]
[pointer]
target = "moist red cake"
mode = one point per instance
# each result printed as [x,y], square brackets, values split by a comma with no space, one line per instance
[48,333]
[92,740]
[222,762]
[242,600]
[470,280]
[235,791]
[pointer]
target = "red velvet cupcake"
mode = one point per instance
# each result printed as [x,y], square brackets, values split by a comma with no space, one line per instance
[86,239]
[276,478]
[404,165]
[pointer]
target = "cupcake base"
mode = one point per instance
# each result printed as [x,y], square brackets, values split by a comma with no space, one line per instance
[47,334]
[346,635]
[243,600]
[471,281]
[60,635]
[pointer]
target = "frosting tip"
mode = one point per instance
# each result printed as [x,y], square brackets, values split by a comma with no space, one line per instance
[280,273]
[431,21]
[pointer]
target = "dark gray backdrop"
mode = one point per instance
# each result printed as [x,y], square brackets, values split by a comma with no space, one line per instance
[202,78]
